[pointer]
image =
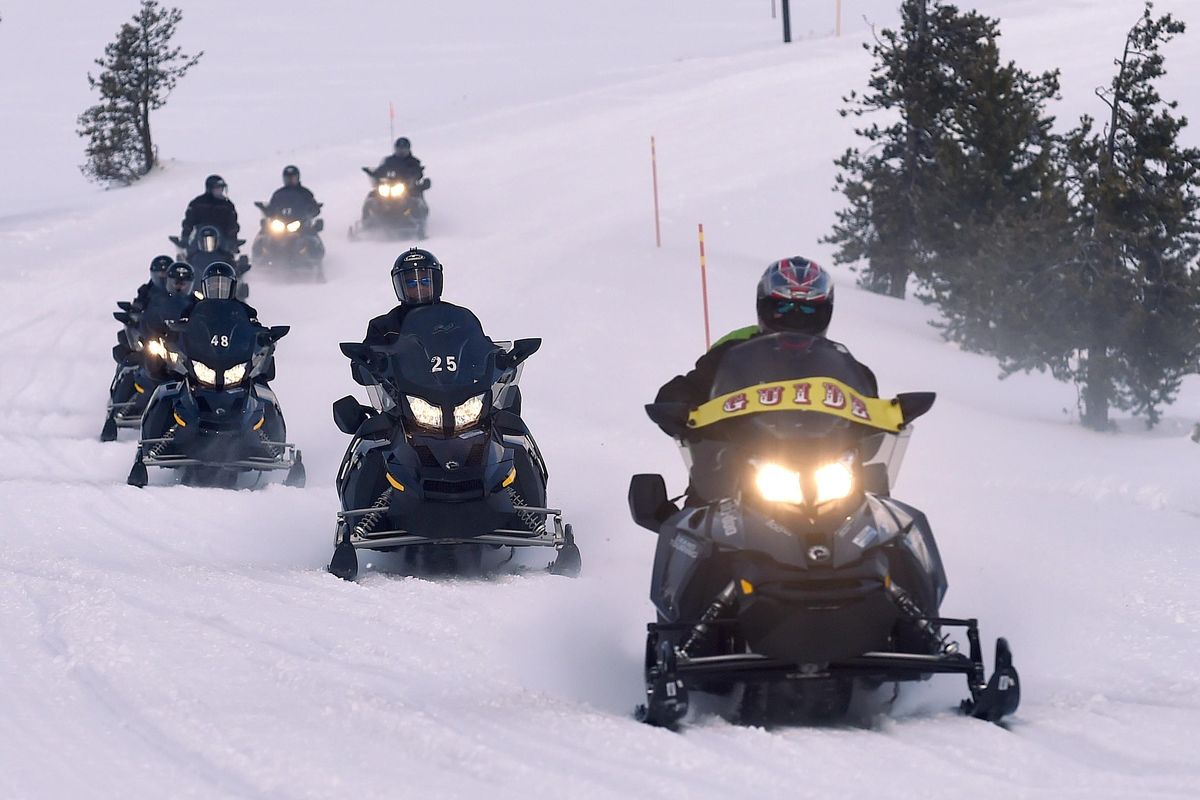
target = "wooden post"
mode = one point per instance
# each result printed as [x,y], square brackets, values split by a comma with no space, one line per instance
[787,21]
[704,285]
[654,175]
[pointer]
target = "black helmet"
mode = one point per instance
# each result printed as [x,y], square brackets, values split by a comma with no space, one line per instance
[402,146]
[208,239]
[158,269]
[213,182]
[180,278]
[291,171]
[795,294]
[219,282]
[417,277]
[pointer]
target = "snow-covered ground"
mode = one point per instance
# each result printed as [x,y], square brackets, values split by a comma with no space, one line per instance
[178,642]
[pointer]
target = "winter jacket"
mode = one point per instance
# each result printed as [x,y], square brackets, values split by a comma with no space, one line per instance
[407,168]
[208,210]
[298,198]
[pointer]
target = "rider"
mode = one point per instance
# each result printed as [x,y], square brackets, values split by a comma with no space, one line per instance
[212,208]
[417,279]
[158,272]
[406,166]
[294,195]
[220,283]
[795,295]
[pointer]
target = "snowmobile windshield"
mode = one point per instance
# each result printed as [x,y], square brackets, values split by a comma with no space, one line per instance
[779,390]
[220,335]
[442,354]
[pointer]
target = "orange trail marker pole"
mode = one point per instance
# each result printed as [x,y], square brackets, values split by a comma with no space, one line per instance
[654,175]
[704,289]
[839,18]
[391,121]
[772,9]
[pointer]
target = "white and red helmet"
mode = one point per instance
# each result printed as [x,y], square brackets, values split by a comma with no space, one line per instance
[795,295]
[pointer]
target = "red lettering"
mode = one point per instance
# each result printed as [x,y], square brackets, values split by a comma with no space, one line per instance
[834,397]
[735,403]
[858,408]
[802,390]
[770,396]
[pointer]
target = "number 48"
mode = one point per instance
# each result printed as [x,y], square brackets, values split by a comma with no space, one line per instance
[220,341]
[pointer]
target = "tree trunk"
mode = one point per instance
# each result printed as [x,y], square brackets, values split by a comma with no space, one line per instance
[1097,389]
[147,144]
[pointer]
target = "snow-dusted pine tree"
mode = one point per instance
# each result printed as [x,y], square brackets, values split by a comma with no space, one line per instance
[138,72]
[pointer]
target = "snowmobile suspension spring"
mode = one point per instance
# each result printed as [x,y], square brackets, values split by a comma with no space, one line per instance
[273,449]
[534,522]
[371,520]
[711,613]
[913,611]
[166,441]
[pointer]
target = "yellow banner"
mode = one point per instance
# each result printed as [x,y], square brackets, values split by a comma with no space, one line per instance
[823,395]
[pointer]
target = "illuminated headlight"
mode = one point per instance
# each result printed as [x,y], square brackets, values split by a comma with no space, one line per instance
[156,348]
[204,373]
[834,482]
[235,375]
[778,484]
[277,226]
[426,414]
[293,226]
[384,190]
[467,414]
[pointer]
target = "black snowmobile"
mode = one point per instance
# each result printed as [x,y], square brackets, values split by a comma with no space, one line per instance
[443,458]
[395,207]
[217,419]
[289,240]
[792,575]
[208,246]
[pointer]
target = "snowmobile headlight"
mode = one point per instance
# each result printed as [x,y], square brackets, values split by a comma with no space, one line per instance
[384,190]
[426,414]
[778,484]
[293,226]
[834,481]
[467,414]
[234,375]
[204,373]
[277,226]
[156,348]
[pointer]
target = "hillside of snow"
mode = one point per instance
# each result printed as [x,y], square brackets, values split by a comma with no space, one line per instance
[187,643]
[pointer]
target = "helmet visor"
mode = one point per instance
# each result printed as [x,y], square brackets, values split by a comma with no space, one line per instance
[783,314]
[414,285]
[218,287]
[179,285]
[209,242]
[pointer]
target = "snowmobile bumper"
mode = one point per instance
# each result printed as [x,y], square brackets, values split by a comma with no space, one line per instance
[552,535]
[670,672]
[287,457]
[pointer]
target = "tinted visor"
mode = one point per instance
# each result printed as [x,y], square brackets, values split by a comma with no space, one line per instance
[209,242]
[218,287]
[782,314]
[415,285]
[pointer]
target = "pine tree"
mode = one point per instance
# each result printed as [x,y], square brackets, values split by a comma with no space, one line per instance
[138,72]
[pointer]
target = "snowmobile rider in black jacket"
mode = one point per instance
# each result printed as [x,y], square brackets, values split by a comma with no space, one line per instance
[795,295]
[157,283]
[294,195]
[417,279]
[220,282]
[212,208]
[406,166]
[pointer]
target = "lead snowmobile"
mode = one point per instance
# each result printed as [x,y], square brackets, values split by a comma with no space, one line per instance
[792,575]
[218,419]
[395,207]
[443,458]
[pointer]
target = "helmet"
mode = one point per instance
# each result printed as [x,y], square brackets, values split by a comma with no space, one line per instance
[208,239]
[180,278]
[795,294]
[290,172]
[215,185]
[417,277]
[158,269]
[219,282]
[402,147]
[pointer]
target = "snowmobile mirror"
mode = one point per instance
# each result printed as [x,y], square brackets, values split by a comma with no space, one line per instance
[425,183]
[360,353]
[648,501]
[369,171]
[319,226]
[875,479]
[507,422]
[914,404]
[260,205]
[522,349]
[123,317]
[670,417]
[348,414]
[125,305]
[277,332]
[175,240]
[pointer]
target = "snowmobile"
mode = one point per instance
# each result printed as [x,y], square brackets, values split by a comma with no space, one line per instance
[443,457]
[792,576]
[217,419]
[206,247]
[137,374]
[395,207]
[289,240]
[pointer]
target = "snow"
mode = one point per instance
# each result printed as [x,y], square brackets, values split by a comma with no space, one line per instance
[179,642]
